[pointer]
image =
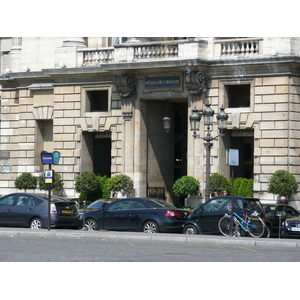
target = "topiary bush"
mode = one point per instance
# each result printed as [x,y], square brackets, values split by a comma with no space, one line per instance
[219,182]
[186,185]
[87,184]
[120,181]
[283,183]
[57,185]
[26,181]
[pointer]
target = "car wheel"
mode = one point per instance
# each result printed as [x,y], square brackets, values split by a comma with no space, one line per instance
[190,229]
[150,227]
[91,224]
[36,223]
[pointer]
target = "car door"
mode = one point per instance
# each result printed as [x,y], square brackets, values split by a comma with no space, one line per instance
[23,210]
[138,214]
[211,212]
[117,215]
[6,205]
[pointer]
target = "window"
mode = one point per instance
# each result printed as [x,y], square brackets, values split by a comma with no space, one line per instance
[238,95]
[7,201]
[97,101]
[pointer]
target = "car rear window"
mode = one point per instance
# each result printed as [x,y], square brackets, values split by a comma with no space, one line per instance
[156,203]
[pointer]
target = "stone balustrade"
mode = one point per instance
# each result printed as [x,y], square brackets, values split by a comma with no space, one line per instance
[239,46]
[155,50]
[94,57]
[183,49]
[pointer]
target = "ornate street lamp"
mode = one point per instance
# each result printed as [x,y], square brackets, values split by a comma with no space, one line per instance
[208,114]
[167,124]
[195,118]
[167,119]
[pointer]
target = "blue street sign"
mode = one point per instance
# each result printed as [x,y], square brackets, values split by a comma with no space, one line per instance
[46,158]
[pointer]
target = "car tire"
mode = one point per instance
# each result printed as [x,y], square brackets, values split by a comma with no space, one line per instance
[91,224]
[190,229]
[36,223]
[150,227]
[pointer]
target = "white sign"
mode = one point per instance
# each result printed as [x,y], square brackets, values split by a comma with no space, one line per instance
[232,157]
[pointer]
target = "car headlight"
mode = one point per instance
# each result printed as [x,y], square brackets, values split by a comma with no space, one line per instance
[285,223]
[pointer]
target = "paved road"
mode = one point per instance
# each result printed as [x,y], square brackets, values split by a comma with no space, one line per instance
[147,280]
[26,245]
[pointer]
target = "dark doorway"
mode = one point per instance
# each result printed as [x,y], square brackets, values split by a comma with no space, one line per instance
[96,153]
[245,145]
[102,156]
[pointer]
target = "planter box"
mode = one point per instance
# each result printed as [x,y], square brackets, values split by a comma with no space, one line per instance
[193,201]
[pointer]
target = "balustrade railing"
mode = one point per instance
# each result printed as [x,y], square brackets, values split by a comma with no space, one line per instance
[154,51]
[94,57]
[225,48]
[238,47]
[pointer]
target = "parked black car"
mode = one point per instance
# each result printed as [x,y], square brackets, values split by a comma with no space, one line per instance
[148,215]
[205,217]
[31,210]
[285,216]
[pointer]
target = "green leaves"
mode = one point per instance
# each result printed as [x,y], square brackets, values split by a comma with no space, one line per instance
[186,185]
[282,182]
[86,184]
[219,182]
[56,186]
[26,181]
[120,181]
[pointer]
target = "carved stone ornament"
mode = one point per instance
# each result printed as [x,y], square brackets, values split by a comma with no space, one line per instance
[195,82]
[125,85]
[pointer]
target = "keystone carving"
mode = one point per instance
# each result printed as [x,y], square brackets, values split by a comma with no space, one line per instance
[195,82]
[125,85]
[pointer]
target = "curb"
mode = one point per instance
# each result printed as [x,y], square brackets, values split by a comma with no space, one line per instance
[181,238]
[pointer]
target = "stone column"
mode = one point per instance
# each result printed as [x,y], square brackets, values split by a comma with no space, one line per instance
[67,56]
[15,54]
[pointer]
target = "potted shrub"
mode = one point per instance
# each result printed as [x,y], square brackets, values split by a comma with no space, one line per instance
[219,182]
[87,184]
[26,181]
[120,181]
[188,187]
[282,183]
[57,185]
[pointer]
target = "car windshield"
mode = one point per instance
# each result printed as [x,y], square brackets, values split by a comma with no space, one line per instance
[157,203]
[252,204]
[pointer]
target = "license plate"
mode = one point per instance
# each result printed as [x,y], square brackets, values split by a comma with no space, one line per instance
[67,211]
[255,219]
[295,228]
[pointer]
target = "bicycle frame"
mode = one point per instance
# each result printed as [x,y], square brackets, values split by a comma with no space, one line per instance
[246,223]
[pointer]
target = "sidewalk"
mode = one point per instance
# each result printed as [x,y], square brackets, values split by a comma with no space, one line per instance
[179,238]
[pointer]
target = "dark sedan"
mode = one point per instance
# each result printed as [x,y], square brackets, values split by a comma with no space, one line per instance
[283,218]
[205,218]
[31,210]
[148,215]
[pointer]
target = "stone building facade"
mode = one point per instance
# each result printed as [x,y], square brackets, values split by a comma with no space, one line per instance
[100,102]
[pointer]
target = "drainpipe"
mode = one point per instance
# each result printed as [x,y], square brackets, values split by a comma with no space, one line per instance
[289,123]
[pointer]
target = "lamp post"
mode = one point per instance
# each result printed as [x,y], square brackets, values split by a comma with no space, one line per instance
[208,114]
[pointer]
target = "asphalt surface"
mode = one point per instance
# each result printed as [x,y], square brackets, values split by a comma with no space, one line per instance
[245,241]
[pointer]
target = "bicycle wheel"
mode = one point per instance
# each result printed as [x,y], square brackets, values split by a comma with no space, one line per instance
[256,227]
[226,228]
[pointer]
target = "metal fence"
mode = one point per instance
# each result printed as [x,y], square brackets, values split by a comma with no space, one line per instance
[156,192]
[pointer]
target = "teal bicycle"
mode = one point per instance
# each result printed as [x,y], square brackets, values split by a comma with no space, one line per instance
[235,225]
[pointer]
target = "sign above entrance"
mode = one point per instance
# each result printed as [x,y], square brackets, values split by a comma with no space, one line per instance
[162,82]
